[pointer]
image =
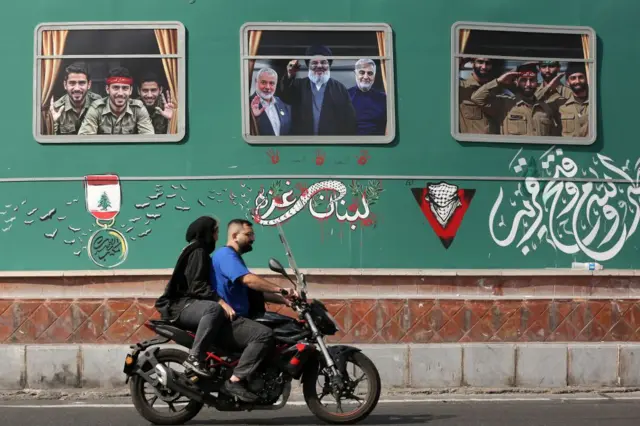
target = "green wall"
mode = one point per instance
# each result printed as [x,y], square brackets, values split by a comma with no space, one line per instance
[401,237]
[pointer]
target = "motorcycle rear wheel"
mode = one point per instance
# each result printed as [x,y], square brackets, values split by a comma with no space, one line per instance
[142,405]
[315,405]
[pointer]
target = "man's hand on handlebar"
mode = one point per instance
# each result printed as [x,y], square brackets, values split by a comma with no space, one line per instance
[289,294]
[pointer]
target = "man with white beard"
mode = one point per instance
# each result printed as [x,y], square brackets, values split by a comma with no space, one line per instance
[320,105]
[69,111]
[271,116]
[370,104]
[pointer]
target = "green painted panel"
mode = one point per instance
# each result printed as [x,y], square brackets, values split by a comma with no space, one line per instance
[402,237]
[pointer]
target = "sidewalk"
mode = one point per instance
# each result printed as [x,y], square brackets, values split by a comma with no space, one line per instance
[440,367]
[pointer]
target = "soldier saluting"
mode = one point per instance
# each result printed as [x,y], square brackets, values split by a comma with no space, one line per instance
[519,113]
[117,114]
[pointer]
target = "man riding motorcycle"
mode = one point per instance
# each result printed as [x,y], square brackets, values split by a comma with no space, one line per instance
[245,293]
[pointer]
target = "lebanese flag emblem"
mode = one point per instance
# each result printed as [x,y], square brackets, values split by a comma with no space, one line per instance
[444,205]
[103,196]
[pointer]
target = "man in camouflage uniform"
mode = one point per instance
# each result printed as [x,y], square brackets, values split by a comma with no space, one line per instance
[159,107]
[549,70]
[472,118]
[575,111]
[519,112]
[117,114]
[68,111]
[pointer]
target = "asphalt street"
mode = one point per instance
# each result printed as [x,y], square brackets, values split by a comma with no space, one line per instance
[536,410]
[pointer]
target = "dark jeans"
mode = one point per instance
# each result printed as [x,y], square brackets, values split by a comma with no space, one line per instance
[207,318]
[252,338]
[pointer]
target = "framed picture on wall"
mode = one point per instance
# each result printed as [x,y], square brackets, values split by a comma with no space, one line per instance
[523,83]
[317,83]
[109,82]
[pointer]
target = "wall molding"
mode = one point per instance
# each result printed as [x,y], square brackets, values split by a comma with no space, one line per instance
[342,272]
[320,176]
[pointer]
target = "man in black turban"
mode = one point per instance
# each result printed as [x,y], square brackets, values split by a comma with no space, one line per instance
[320,105]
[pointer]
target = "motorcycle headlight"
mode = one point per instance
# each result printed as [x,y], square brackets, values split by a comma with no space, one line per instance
[325,322]
[333,320]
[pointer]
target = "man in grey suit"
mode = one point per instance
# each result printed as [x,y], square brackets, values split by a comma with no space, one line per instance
[272,116]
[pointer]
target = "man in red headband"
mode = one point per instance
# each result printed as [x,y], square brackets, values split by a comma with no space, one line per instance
[117,114]
[518,112]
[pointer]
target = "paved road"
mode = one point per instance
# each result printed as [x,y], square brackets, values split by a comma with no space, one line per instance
[466,411]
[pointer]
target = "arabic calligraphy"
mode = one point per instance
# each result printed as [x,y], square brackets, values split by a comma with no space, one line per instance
[323,200]
[595,219]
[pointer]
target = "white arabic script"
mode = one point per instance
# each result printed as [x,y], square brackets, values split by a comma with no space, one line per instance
[595,219]
[265,207]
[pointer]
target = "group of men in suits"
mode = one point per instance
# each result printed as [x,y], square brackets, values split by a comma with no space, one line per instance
[318,104]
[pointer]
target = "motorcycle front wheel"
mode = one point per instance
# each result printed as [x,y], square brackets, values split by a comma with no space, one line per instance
[146,407]
[344,413]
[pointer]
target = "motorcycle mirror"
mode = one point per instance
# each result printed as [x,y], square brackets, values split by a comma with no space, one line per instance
[276,266]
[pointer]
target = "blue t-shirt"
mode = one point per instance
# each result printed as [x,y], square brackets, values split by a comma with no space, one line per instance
[228,267]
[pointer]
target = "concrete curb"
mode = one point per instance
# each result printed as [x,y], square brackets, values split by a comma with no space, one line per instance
[500,366]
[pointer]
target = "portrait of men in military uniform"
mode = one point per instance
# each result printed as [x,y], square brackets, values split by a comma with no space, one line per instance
[518,111]
[117,113]
[159,106]
[68,111]
[473,118]
[575,111]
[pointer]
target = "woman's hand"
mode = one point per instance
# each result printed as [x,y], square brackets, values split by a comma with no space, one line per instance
[231,313]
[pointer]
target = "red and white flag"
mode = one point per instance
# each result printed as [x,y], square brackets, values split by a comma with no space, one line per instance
[103,196]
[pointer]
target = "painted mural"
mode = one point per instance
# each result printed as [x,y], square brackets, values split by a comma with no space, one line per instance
[444,206]
[591,210]
[107,237]
[323,199]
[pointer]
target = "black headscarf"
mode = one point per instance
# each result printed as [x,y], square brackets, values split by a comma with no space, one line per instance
[200,232]
[199,235]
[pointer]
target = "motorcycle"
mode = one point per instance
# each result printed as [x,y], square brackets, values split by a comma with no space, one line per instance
[300,354]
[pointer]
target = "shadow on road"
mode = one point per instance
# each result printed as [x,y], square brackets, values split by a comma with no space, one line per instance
[373,419]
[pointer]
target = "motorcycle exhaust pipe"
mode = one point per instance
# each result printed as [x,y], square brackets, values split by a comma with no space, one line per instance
[177,383]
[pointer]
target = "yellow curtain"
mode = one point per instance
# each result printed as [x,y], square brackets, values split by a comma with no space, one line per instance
[464,39]
[52,44]
[585,50]
[168,44]
[382,51]
[254,43]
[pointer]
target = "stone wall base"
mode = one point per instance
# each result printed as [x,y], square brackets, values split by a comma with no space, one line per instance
[502,366]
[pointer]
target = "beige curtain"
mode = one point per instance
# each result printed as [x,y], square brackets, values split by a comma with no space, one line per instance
[585,50]
[382,51]
[254,43]
[52,44]
[168,44]
[464,39]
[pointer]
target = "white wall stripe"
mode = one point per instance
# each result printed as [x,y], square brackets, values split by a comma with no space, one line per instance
[483,273]
[316,176]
